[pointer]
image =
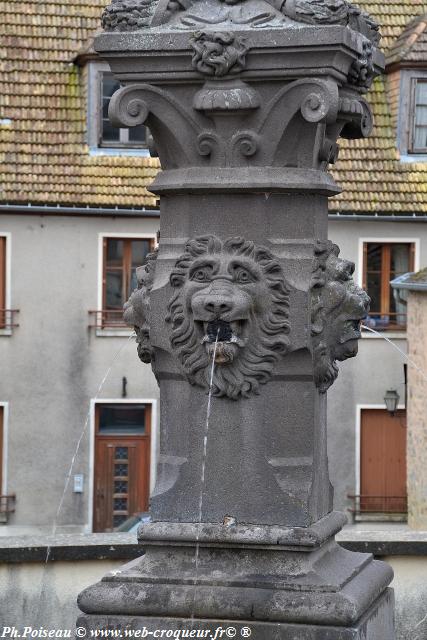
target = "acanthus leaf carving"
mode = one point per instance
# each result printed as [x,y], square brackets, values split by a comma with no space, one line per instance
[355,117]
[313,100]
[338,307]
[236,292]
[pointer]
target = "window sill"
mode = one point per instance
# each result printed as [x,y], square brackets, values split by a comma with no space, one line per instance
[114,333]
[413,158]
[6,333]
[118,151]
[380,517]
[397,335]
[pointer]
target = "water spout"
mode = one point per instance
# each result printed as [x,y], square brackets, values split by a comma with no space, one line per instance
[402,353]
[202,487]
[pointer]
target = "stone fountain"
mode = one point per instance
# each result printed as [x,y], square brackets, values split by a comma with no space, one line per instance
[248,301]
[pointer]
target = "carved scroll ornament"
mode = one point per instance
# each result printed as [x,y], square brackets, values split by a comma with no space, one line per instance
[233,292]
[338,308]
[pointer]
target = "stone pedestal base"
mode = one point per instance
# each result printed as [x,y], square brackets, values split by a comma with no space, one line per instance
[376,624]
[291,583]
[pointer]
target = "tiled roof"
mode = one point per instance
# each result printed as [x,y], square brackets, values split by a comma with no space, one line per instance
[45,159]
[369,171]
[43,154]
[411,45]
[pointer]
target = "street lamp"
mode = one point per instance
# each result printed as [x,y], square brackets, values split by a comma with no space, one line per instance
[391,400]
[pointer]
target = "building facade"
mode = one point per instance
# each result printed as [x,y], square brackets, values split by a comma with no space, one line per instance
[78,411]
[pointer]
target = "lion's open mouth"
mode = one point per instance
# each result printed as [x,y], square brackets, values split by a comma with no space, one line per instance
[222,339]
[351,330]
[218,329]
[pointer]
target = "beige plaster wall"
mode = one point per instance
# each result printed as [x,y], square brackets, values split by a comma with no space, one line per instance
[410,586]
[36,595]
[417,412]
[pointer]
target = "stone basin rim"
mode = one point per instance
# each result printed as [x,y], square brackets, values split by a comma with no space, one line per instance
[270,535]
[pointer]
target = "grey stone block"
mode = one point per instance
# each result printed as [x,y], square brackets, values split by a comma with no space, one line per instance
[376,624]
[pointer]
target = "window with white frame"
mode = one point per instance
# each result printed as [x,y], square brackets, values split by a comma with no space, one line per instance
[8,316]
[382,262]
[418,132]
[101,133]
[412,129]
[121,256]
[110,136]
[2,282]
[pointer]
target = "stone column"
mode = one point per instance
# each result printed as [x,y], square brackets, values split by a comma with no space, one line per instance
[245,300]
[416,285]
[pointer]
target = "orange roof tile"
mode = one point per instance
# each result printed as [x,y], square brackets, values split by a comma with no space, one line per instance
[43,150]
[44,156]
[373,178]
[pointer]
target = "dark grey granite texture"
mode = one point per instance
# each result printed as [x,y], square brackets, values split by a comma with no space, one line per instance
[246,101]
[376,624]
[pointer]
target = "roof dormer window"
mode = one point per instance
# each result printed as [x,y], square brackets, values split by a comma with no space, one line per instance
[110,136]
[418,141]
[103,137]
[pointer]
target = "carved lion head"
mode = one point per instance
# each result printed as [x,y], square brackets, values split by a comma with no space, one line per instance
[137,309]
[231,304]
[338,308]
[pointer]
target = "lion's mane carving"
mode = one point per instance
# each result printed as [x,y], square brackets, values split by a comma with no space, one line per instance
[234,294]
[338,307]
[137,308]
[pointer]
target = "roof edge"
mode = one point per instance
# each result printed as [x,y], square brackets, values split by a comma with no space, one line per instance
[29,209]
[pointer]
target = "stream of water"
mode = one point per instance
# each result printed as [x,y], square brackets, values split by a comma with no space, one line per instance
[204,456]
[202,480]
[71,467]
[402,353]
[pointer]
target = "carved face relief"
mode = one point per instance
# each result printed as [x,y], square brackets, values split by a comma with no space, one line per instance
[218,53]
[230,303]
[338,308]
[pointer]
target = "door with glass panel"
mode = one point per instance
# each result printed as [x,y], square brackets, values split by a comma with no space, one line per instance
[122,463]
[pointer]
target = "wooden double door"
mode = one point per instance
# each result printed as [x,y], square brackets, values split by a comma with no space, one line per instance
[122,463]
[383,462]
